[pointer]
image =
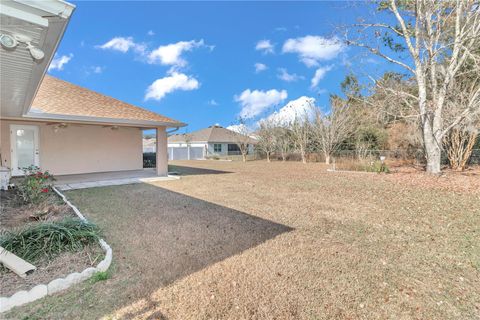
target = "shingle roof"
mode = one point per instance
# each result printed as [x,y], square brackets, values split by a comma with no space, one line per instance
[210,134]
[59,97]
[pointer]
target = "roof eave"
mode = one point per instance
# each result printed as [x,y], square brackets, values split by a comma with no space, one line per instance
[101,120]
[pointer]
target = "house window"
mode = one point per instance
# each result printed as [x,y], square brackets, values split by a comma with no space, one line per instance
[233,148]
[217,147]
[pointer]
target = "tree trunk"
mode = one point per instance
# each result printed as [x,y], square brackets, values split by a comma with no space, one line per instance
[431,144]
[268,157]
[244,157]
[327,158]
[304,159]
[432,152]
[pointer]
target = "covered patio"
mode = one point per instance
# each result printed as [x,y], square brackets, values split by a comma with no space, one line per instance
[112,178]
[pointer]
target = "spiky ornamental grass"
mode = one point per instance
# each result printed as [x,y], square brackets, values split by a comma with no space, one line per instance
[48,239]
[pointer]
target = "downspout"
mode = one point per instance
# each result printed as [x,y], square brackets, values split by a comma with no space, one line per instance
[173,130]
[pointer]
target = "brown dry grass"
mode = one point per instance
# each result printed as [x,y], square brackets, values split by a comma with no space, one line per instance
[315,245]
[14,215]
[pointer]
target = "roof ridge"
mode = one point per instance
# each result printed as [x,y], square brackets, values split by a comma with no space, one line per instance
[211,131]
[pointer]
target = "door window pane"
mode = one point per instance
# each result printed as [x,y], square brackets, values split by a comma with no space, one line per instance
[25,147]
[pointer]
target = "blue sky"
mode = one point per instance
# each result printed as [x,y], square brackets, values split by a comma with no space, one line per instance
[209,62]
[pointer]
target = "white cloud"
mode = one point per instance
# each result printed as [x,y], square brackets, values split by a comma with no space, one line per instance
[239,128]
[319,74]
[171,54]
[255,102]
[259,67]
[122,44]
[98,69]
[299,108]
[265,46]
[150,33]
[280,29]
[213,102]
[59,61]
[175,81]
[312,49]
[288,77]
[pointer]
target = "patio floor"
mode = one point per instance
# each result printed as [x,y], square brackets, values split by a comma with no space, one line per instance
[113,178]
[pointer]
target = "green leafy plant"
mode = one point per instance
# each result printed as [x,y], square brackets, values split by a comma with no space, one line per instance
[100,276]
[48,239]
[35,186]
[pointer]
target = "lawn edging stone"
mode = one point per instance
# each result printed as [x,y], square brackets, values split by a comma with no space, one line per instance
[42,290]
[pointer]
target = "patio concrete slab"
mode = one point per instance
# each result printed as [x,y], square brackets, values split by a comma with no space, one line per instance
[102,179]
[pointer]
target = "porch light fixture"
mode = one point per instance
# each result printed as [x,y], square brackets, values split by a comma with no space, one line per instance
[11,41]
[36,53]
[58,126]
[8,41]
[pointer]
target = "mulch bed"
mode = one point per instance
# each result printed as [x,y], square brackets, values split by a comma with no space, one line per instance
[14,216]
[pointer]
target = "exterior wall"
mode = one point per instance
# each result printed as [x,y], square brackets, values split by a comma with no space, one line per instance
[212,152]
[224,152]
[210,148]
[81,148]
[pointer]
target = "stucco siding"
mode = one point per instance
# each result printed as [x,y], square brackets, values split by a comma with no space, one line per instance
[81,148]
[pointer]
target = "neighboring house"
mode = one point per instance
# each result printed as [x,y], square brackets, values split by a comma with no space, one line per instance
[149,145]
[209,142]
[54,124]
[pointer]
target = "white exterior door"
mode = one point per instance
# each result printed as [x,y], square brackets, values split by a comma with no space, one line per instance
[24,147]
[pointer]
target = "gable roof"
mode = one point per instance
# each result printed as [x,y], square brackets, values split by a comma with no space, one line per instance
[210,134]
[62,100]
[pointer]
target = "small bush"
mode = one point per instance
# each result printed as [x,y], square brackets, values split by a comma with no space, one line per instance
[378,167]
[100,276]
[35,186]
[48,239]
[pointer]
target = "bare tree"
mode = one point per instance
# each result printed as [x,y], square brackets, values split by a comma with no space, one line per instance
[283,141]
[440,38]
[267,137]
[459,146]
[459,142]
[300,130]
[241,137]
[330,130]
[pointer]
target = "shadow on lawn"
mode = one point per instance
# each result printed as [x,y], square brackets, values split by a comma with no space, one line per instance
[159,236]
[192,171]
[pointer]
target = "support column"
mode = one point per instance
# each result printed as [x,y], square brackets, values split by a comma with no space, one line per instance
[162,154]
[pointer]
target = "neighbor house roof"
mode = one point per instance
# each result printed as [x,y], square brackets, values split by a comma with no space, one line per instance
[211,134]
[62,100]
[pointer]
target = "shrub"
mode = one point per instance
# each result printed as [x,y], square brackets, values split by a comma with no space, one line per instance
[378,167]
[48,239]
[35,186]
[100,276]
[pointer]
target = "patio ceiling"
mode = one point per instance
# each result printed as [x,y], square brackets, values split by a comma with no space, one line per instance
[44,22]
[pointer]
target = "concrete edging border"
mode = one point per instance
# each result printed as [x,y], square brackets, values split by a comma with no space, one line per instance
[42,290]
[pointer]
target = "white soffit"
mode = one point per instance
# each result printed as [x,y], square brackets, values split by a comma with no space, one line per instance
[20,75]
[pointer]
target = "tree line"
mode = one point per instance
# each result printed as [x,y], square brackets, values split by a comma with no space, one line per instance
[433,106]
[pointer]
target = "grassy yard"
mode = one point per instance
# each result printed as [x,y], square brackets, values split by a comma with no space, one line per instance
[281,241]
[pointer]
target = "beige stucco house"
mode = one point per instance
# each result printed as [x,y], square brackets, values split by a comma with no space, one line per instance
[54,124]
